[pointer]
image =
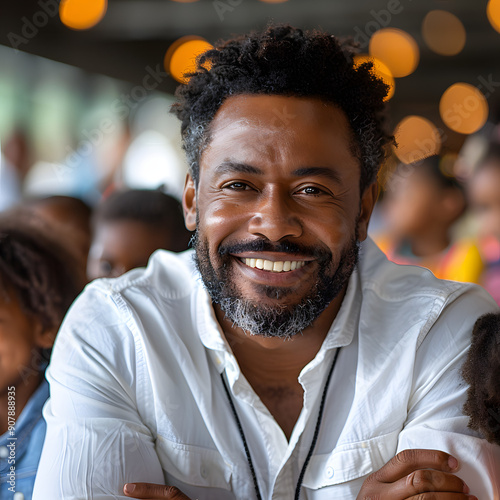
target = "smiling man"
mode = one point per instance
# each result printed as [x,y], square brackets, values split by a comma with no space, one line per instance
[291,360]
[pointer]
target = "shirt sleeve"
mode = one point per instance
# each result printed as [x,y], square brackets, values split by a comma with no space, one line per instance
[96,440]
[435,419]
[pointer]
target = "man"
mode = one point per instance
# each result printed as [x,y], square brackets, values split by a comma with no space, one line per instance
[286,371]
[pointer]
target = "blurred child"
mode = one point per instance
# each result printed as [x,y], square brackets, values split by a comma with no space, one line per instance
[129,226]
[484,191]
[482,372]
[38,282]
[421,206]
[71,216]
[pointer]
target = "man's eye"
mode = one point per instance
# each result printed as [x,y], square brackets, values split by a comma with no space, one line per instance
[236,186]
[312,190]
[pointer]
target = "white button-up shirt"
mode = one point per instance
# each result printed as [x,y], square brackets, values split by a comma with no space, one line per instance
[137,395]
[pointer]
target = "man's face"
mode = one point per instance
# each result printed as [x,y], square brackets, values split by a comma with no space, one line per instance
[277,211]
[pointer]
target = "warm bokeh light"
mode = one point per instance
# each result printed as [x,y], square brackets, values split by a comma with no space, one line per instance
[493,11]
[463,108]
[396,49]
[417,139]
[379,69]
[181,56]
[82,14]
[443,32]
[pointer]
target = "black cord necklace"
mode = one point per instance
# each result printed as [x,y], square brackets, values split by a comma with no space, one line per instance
[313,442]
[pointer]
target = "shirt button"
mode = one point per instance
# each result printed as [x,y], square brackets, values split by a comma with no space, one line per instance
[4,452]
[18,496]
[204,472]
[329,472]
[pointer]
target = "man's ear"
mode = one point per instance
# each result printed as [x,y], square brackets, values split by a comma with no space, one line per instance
[368,200]
[189,203]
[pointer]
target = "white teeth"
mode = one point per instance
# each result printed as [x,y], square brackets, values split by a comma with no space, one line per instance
[276,267]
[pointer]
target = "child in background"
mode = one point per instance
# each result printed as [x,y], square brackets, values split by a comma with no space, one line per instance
[38,282]
[421,206]
[484,192]
[481,371]
[71,215]
[129,226]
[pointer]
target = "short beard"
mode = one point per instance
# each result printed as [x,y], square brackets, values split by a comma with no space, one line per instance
[280,321]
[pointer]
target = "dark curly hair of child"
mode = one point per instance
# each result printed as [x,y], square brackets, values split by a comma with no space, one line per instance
[482,371]
[37,269]
[283,60]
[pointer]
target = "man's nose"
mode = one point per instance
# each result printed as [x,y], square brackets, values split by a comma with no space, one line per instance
[274,216]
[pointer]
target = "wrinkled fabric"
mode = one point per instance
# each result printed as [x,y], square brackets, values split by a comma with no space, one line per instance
[136,390]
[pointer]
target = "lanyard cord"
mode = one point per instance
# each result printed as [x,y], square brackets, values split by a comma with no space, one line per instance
[313,443]
[243,438]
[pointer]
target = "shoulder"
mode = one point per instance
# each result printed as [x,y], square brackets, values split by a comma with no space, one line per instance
[398,298]
[395,282]
[171,274]
[114,313]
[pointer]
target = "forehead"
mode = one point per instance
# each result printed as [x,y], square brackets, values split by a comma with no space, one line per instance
[283,130]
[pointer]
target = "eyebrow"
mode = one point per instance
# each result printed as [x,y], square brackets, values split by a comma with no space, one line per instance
[318,172]
[230,167]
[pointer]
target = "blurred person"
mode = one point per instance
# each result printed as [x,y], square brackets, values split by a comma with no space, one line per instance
[129,226]
[421,207]
[481,371]
[71,216]
[38,282]
[484,194]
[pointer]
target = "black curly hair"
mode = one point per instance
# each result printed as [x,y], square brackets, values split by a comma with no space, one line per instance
[481,371]
[283,60]
[36,268]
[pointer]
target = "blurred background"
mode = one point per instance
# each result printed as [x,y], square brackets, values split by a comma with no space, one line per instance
[85,88]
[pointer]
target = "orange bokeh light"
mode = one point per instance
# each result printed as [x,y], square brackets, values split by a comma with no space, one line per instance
[417,138]
[493,12]
[443,32]
[82,14]
[463,108]
[181,56]
[396,49]
[379,69]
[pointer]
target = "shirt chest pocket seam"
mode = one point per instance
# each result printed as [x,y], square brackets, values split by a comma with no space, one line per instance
[350,461]
[194,465]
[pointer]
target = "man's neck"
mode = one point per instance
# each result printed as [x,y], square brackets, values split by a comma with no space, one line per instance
[272,365]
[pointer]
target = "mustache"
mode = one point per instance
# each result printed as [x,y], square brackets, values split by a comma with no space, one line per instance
[285,246]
